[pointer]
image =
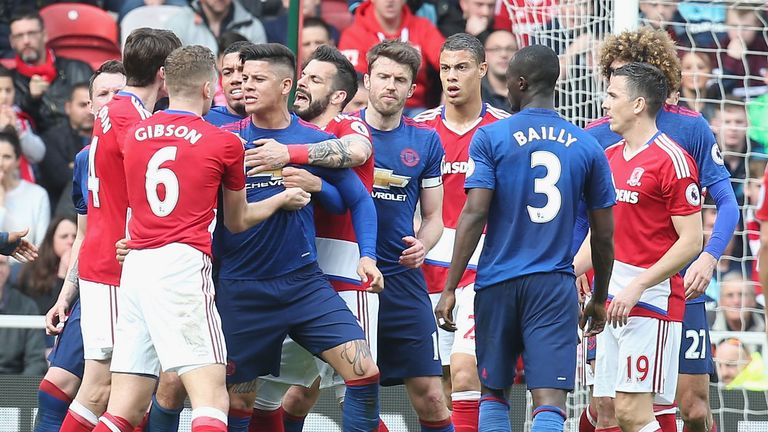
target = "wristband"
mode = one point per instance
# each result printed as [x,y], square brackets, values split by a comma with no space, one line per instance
[298,154]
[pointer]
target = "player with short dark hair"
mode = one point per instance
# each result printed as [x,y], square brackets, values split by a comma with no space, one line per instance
[528,172]
[692,132]
[231,85]
[659,198]
[270,285]
[99,271]
[407,159]
[462,68]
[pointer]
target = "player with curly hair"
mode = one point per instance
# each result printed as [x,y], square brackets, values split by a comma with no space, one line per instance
[692,132]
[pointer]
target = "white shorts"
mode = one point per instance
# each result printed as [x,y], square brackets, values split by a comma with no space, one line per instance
[444,338]
[464,314]
[299,367]
[168,317]
[98,316]
[641,357]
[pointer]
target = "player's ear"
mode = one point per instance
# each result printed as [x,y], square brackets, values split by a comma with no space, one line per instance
[287,85]
[483,67]
[411,90]
[639,105]
[338,97]
[367,82]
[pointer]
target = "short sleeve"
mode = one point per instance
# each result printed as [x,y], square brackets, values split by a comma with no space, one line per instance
[481,173]
[80,183]
[433,174]
[343,125]
[679,185]
[234,164]
[706,153]
[599,191]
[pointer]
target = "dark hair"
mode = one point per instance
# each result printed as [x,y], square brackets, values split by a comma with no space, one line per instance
[8,134]
[645,81]
[346,77]
[187,67]
[37,278]
[144,54]
[317,22]
[27,13]
[109,66]
[228,39]
[538,64]
[272,53]
[398,52]
[235,47]
[5,72]
[82,85]
[465,42]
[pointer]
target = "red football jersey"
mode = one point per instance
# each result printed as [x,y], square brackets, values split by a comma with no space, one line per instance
[658,182]
[107,197]
[175,163]
[337,250]
[454,168]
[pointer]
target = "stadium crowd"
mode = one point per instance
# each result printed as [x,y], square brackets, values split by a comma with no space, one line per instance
[46,117]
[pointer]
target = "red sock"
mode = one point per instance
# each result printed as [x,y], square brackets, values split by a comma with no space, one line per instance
[382,426]
[465,415]
[108,423]
[74,422]
[668,422]
[208,424]
[610,429]
[140,427]
[588,420]
[266,421]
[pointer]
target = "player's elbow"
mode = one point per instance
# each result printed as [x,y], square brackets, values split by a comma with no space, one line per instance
[358,154]
[235,226]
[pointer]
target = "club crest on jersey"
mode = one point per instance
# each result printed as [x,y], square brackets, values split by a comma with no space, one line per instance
[409,157]
[634,179]
[693,195]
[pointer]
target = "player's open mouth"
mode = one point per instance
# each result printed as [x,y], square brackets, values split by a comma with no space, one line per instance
[453,90]
[236,94]
[250,99]
[301,97]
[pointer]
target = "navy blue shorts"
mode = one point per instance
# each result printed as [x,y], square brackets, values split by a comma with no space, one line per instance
[407,345]
[534,315]
[696,347]
[257,315]
[67,353]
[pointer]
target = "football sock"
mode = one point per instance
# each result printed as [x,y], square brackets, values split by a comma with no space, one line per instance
[52,404]
[239,419]
[293,423]
[110,423]
[79,419]
[548,418]
[267,421]
[361,404]
[494,415]
[466,409]
[208,419]
[162,419]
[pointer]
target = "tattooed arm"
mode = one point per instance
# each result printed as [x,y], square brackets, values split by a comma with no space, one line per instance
[348,151]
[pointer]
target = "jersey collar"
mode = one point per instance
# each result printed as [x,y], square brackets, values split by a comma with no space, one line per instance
[180,112]
[129,94]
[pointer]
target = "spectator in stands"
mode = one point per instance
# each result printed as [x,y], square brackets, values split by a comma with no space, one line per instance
[360,100]
[43,81]
[32,147]
[23,349]
[729,123]
[737,306]
[129,5]
[204,21]
[757,112]
[664,15]
[64,141]
[731,357]
[499,48]
[314,33]
[476,19]
[277,26]
[42,279]
[377,20]
[696,69]
[22,204]
[745,58]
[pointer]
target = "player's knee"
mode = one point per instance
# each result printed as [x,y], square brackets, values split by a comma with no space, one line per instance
[298,401]
[95,395]
[628,417]
[465,379]
[170,393]
[605,410]
[694,410]
[430,405]
[241,401]
[63,380]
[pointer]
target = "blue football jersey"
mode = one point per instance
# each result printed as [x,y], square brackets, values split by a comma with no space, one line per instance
[406,159]
[286,241]
[80,182]
[220,116]
[539,166]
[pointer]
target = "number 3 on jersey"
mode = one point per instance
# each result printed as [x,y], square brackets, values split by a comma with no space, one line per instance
[157,176]
[546,185]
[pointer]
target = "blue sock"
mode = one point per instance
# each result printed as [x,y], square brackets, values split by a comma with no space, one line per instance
[293,423]
[494,415]
[52,407]
[162,419]
[238,420]
[438,426]
[361,405]
[548,418]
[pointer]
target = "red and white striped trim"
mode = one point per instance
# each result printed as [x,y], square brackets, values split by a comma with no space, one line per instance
[429,114]
[662,332]
[214,323]
[496,112]
[676,154]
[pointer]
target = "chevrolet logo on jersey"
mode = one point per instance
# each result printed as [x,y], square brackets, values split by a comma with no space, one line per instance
[385,179]
[265,179]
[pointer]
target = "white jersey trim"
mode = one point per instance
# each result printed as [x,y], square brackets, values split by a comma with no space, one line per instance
[442,253]
[338,258]
[431,182]
[676,154]
[430,114]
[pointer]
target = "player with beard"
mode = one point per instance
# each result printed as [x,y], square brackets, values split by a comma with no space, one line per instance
[327,84]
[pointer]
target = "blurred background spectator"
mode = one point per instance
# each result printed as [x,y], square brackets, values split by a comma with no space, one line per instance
[737,308]
[315,32]
[737,368]
[744,60]
[129,5]
[32,147]
[41,280]
[22,204]
[42,79]
[500,46]
[23,349]
[203,21]
[696,67]
[360,100]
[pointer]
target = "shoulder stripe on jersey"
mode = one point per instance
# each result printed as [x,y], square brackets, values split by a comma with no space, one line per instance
[496,112]
[614,145]
[597,122]
[676,154]
[431,182]
[143,113]
[429,114]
